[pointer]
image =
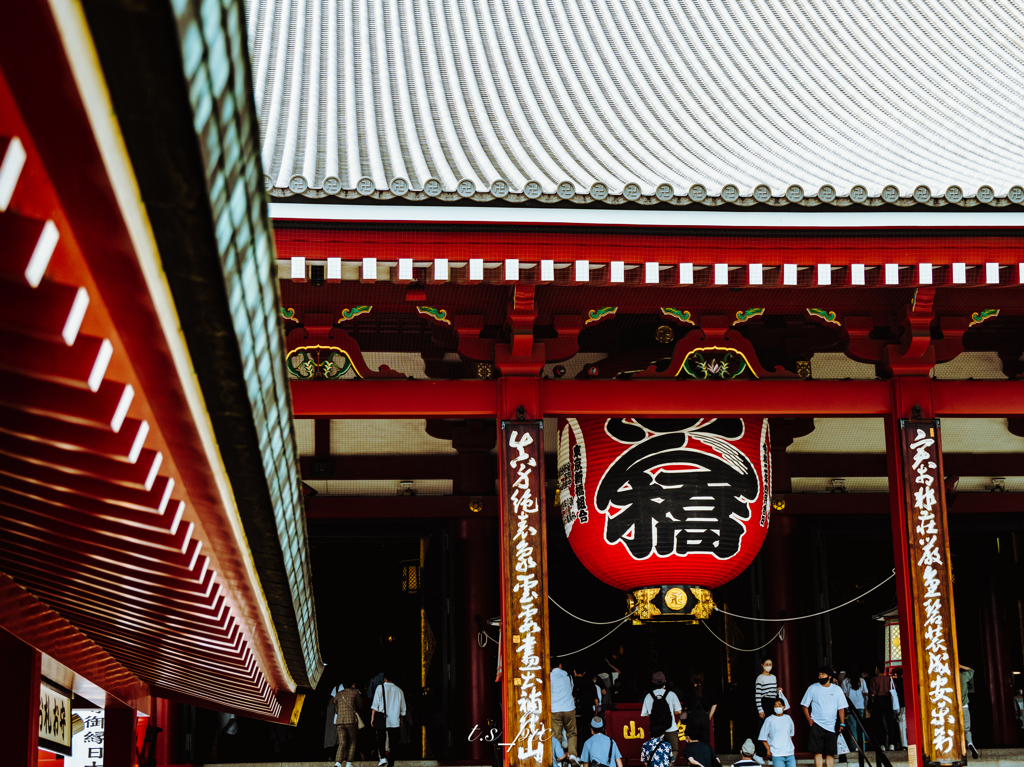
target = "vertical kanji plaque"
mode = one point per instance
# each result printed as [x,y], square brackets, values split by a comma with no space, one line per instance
[941,716]
[524,608]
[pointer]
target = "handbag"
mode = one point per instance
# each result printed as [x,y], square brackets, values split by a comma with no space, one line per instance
[380,722]
[895,697]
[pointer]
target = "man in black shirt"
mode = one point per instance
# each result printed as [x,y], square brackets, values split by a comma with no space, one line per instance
[699,754]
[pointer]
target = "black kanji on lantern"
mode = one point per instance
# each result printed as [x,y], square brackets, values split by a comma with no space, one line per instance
[673,499]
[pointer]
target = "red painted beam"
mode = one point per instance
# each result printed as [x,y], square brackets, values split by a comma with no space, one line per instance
[827,504]
[478,399]
[397,507]
[633,247]
[394,399]
[978,398]
[874,464]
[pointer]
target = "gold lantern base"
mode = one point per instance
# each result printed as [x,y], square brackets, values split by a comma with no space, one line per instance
[679,604]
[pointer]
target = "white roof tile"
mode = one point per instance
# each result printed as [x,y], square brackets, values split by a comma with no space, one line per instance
[792,93]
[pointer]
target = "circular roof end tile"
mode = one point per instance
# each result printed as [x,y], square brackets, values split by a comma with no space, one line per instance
[631,191]
[599,191]
[664,192]
[532,190]
[762,193]
[955,194]
[697,193]
[332,185]
[922,194]
[398,187]
[500,189]
[859,194]
[1016,194]
[730,193]
[466,188]
[795,193]
[827,193]
[566,190]
[365,186]
[891,194]
[986,194]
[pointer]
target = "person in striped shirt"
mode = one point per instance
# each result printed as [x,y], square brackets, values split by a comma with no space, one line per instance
[766,690]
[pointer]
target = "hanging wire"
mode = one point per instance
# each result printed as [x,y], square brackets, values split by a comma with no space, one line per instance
[483,638]
[780,634]
[584,620]
[622,622]
[812,615]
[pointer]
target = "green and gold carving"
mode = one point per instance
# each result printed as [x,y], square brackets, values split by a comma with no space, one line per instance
[596,315]
[438,315]
[716,363]
[979,317]
[748,314]
[355,311]
[824,314]
[288,314]
[683,315]
[324,362]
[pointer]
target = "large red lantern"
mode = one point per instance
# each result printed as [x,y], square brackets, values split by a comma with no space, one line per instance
[665,509]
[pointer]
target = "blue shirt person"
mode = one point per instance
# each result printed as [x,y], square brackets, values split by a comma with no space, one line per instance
[600,749]
[657,752]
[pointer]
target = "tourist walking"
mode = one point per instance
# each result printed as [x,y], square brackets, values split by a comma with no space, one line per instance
[387,711]
[747,755]
[600,750]
[767,690]
[657,752]
[563,708]
[346,722]
[856,690]
[881,709]
[777,736]
[824,707]
[699,753]
[700,704]
[663,708]
[966,688]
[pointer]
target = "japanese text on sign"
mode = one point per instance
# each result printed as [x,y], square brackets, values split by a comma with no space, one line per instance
[524,612]
[941,710]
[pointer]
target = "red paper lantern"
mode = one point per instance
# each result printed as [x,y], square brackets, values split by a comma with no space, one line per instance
[648,502]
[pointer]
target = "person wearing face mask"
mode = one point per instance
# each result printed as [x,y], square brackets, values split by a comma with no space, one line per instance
[824,705]
[777,736]
[767,690]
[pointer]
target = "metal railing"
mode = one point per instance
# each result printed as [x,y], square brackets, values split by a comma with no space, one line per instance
[881,760]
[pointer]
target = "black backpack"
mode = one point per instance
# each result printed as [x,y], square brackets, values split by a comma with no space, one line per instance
[661,714]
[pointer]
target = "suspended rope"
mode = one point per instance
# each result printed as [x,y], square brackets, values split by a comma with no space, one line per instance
[781,633]
[482,639]
[622,622]
[584,620]
[812,615]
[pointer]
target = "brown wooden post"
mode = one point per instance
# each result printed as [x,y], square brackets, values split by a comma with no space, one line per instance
[923,577]
[526,695]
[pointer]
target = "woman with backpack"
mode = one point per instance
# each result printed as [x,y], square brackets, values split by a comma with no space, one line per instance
[662,707]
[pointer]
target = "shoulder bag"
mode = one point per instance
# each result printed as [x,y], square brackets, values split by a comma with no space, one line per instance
[380,722]
[359,719]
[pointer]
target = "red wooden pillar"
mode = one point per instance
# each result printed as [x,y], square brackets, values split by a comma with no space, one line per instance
[994,674]
[476,551]
[119,737]
[791,666]
[19,703]
[167,716]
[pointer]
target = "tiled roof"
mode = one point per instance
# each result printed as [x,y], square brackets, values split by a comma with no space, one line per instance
[796,101]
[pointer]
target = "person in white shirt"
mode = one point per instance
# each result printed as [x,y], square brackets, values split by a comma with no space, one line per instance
[777,735]
[823,704]
[856,690]
[386,713]
[563,708]
[663,716]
